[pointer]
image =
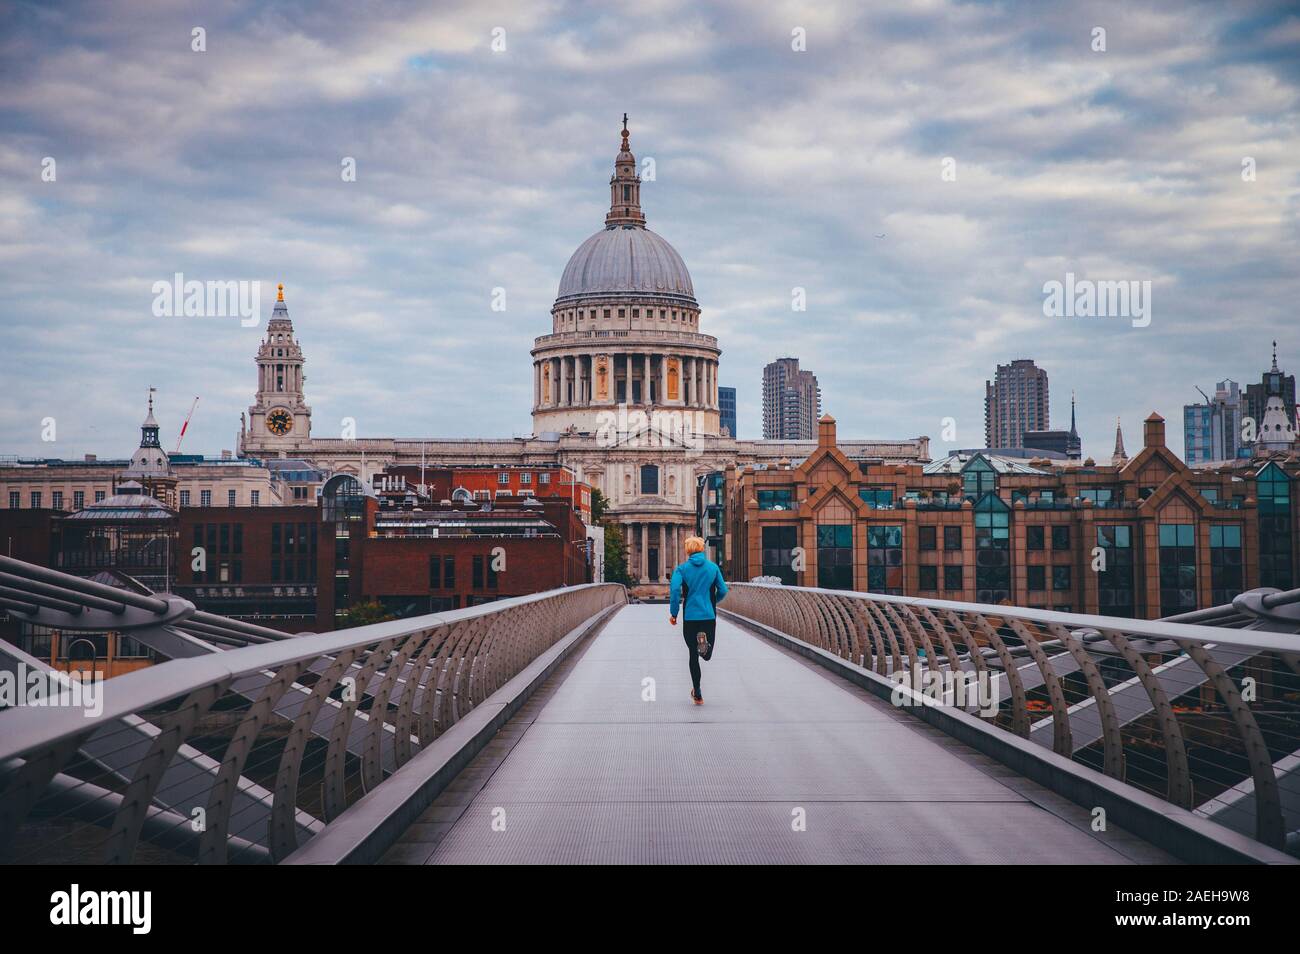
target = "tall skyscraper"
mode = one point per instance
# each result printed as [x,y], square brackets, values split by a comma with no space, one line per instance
[727,409]
[792,402]
[1015,401]
[1212,430]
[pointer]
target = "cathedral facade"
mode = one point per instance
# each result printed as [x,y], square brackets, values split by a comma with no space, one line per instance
[625,394]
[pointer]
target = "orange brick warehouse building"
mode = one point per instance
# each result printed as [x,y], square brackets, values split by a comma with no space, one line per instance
[1141,537]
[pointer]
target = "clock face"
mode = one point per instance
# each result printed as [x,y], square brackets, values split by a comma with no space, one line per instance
[279,422]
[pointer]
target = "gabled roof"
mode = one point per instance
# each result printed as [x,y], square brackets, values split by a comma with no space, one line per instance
[957,464]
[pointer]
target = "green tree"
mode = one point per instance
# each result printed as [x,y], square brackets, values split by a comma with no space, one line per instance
[599,506]
[363,614]
[615,555]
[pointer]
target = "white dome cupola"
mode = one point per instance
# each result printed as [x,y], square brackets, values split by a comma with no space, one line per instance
[624,326]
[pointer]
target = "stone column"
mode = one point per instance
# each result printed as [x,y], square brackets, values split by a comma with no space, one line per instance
[663,379]
[627,391]
[663,554]
[645,567]
[645,381]
[564,381]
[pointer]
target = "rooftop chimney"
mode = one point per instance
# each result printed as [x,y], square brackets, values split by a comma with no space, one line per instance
[826,431]
[1153,431]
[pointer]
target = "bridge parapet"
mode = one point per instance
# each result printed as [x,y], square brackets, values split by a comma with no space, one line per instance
[1202,711]
[244,754]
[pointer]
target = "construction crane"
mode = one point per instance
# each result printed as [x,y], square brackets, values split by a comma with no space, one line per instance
[181,436]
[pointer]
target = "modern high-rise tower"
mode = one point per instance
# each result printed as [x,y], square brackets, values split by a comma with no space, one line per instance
[792,402]
[1212,431]
[1015,401]
[727,409]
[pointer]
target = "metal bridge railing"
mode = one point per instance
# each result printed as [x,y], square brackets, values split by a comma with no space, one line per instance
[238,754]
[1205,716]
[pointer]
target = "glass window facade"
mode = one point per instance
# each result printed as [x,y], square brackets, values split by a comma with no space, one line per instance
[1225,563]
[1115,590]
[776,500]
[878,497]
[1100,496]
[1273,491]
[1177,568]
[1060,578]
[992,550]
[978,479]
[885,560]
[835,556]
[778,558]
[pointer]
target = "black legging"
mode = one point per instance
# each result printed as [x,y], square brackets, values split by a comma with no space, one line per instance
[691,628]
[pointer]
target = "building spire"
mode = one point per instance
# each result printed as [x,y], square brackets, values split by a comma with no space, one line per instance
[1119,457]
[625,189]
[1275,369]
[280,292]
[1073,431]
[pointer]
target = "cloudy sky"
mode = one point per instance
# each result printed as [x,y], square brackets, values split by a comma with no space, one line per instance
[775,168]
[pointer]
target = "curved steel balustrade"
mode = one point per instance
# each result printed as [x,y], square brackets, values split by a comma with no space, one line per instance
[1127,697]
[241,754]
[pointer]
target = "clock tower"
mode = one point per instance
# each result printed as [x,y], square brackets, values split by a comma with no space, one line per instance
[279,422]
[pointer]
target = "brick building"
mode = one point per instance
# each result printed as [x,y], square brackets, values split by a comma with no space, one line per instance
[426,556]
[490,482]
[296,569]
[980,528]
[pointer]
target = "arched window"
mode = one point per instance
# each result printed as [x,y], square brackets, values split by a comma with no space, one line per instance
[649,479]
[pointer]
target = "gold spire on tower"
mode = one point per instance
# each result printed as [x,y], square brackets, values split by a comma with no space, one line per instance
[280,294]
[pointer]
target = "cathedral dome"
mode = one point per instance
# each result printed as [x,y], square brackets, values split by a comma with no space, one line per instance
[626,259]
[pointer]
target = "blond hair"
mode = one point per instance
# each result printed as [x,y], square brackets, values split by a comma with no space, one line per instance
[694,545]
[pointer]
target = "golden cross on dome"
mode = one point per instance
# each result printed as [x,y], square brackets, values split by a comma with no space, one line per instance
[280,295]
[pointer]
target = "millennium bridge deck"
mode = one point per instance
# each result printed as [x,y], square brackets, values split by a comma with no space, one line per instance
[591,772]
[557,727]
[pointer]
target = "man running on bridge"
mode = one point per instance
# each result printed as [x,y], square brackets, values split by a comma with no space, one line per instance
[700,581]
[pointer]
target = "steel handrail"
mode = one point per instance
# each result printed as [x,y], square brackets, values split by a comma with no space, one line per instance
[900,637]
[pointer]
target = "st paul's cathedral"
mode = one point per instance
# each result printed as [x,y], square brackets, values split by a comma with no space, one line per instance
[625,394]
